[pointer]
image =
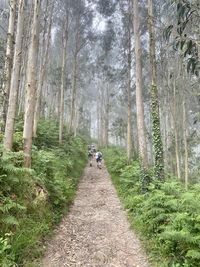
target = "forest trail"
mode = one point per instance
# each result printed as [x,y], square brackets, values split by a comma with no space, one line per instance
[96,231]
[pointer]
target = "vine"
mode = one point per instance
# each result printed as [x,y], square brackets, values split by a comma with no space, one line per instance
[157,140]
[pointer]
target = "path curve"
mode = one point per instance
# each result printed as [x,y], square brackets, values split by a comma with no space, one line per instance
[96,232]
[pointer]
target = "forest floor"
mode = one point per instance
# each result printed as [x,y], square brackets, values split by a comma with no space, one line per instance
[96,231]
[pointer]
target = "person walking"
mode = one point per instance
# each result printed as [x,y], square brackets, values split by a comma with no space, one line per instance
[99,157]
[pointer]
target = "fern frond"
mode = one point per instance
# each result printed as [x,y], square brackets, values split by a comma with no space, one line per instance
[9,220]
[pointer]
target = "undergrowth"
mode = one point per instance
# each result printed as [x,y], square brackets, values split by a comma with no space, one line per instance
[166,217]
[33,200]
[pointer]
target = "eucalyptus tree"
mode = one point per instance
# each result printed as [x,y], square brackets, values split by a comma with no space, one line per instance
[65,36]
[83,18]
[127,44]
[157,140]
[14,83]
[8,63]
[31,84]
[47,22]
[139,90]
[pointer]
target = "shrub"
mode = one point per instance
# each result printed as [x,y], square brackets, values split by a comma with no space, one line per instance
[33,200]
[166,216]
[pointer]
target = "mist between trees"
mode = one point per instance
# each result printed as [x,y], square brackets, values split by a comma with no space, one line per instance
[123,72]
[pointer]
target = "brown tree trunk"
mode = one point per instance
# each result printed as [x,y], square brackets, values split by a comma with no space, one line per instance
[31,85]
[139,92]
[14,85]
[8,65]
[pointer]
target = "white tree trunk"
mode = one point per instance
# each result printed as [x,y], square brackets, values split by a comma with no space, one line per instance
[139,91]
[73,96]
[8,64]
[31,85]
[129,110]
[14,85]
[185,144]
[63,77]
[42,71]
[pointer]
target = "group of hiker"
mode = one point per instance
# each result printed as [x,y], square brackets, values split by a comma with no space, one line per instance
[94,153]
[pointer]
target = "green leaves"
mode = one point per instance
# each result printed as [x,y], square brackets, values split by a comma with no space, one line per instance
[9,220]
[167,216]
[184,41]
[56,171]
[167,32]
[193,254]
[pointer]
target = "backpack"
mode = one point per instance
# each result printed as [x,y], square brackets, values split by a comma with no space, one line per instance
[99,155]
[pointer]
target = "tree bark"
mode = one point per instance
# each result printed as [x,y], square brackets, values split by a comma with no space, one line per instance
[73,96]
[14,85]
[31,85]
[176,135]
[8,64]
[42,71]
[157,140]
[185,144]
[139,92]
[63,78]
[106,116]
[129,120]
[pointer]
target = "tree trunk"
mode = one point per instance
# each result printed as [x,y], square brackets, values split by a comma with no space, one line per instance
[42,71]
[14,85]
[8,65]
[185,144]
[31,85]
[73,96]
[24,56]
[74,82]
[157,140]
[63,78]
[139,94]
[106,116]
[129,121]
[176,135]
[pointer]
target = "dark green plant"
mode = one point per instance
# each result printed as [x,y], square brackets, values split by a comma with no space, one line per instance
[166,216]
[33,200]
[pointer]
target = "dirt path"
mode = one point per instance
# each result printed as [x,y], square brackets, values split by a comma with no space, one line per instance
[96,231]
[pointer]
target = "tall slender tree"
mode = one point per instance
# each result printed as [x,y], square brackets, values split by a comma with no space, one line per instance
[31,84]
[8,64]
[63,76]
[14,84]
[157,140]
[139,90]
[44,61]
[129,121]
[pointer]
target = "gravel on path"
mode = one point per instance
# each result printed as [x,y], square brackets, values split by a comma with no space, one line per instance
[96,231]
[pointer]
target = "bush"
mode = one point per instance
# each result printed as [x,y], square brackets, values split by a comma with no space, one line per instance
[167,216]
[33,200]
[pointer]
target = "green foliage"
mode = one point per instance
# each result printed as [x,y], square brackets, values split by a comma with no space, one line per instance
[33,200]
[167,217]
[186,16]
[6,258]
[46,128]
[157,140]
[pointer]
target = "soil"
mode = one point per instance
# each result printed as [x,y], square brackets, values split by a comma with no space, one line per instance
[96,232]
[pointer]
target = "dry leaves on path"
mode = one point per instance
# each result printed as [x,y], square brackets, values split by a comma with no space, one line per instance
[96,232]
